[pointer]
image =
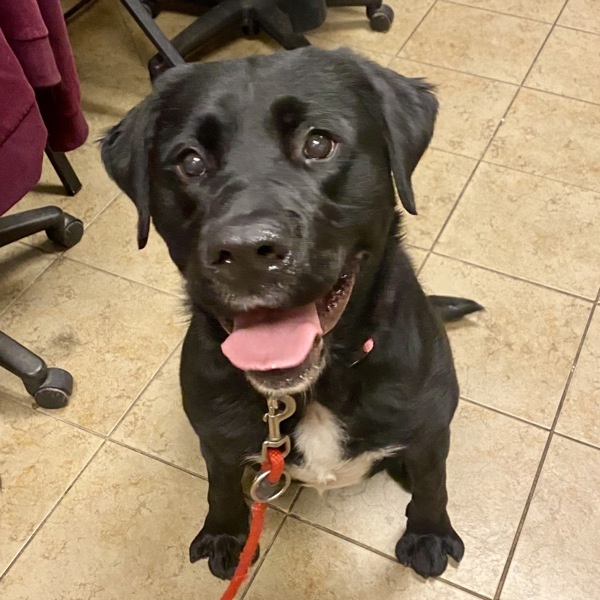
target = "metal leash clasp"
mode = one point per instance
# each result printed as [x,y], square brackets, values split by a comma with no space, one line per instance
[273,419]
[262,490]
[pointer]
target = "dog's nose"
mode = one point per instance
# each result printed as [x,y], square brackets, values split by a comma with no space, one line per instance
[241,253]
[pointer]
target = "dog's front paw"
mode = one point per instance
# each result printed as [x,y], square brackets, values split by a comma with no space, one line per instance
[428,553]
[222,550]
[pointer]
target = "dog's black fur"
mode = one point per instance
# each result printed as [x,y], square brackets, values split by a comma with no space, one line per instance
[244,123]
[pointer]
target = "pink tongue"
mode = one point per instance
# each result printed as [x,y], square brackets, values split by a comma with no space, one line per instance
[272,339]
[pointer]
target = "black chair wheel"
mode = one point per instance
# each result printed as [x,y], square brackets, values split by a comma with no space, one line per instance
[381,18]
[69,234]
[56,390]
[152,6]
[156,67]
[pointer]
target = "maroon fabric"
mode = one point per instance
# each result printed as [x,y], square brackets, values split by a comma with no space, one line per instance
[22,131]
[60,104]
[37,33]
[35,54]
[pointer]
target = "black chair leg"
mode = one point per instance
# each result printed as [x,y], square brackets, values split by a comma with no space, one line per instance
[60,227]
[51,388]
[277,24]
[146,23]
[64,170]
[185,43]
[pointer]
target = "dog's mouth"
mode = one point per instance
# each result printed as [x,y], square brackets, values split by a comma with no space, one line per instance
[282,349]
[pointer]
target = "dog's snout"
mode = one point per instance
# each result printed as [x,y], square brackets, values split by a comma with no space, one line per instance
[243,252]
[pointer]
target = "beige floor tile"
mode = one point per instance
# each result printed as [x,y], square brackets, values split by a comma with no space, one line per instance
[437,181]
[511,221]
[39,458]
[112,335]
[417,256]
[580,417]
[118,223]
[516,355]
[470,107]
[157,424]
[100,29]
[557,553]
[581,14]
[19,265]
[540,10]
[327,44]
[503,48]
[485,503]
[349,26]
[552,136]
[568,65]
[306,564]
[112,76]
[123,531]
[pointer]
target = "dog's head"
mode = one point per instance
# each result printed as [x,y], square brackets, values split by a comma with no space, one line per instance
[270,179]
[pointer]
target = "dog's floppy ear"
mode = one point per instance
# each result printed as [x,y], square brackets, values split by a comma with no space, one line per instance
[407,108]
[127,146]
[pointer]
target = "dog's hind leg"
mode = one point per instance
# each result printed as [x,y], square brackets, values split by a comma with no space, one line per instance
[451,308]
[429,537]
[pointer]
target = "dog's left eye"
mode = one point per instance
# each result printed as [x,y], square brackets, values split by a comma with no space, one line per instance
[191,164]
[318,145]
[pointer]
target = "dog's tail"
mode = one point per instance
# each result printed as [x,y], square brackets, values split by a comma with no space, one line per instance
[451,308]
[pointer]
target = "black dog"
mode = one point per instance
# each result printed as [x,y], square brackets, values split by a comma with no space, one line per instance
[270,180]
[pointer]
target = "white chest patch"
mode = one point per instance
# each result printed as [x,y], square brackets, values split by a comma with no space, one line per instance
[321,438]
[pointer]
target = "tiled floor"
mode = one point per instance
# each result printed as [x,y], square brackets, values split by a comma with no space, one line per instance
[100,500]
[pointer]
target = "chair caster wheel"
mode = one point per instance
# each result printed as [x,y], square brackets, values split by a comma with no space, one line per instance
[68,233]
[56,390]
[381,18]
[152,7]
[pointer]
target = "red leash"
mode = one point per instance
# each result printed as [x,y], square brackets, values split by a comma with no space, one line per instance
[274,465]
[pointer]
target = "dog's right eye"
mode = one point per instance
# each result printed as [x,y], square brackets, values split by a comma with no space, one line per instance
[191,164]
[319,145]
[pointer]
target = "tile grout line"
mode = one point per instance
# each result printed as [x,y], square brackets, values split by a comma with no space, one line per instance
[520,278]
[566,436]
[447,220]
[55,256]
[494,80]
[497,12]
[379,553]
[27,287]
[51,512]
[582,188]
[264,556]
[558,95]
[493,136]
[146,386]
[117,275]
[545,452]
[433,5]
[508,415]
[511,168]
[573,28]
